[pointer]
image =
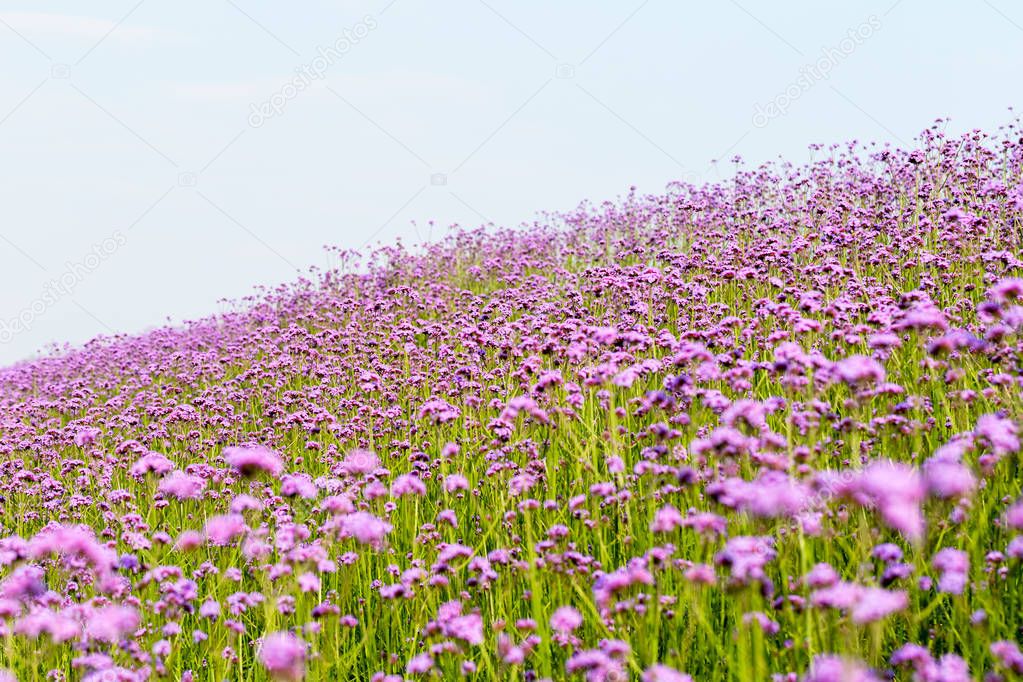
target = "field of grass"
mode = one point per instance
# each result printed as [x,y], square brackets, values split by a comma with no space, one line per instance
[764,429]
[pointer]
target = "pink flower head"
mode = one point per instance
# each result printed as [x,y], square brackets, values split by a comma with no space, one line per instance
[24,583]
[86,435]
[896,490]
[772,494]
[250,460]
[948,479]
[666,519]
[59,626]
[662,673]
[407,484]
[189,540]
[420,665]
[1014,515]
[1009,655]
[566,619]
[746,557]
[875,603]
[309,582]
[999,433]
[366,528]
[706,523]
[837,669]
[73,542]
[299,485]
[455,482]
[224,529]
[468,628]
[111,624]
[821,575]
[954,567]
[182,486]
[859,370]
[359,463]
[152,462]
[1007,290]
[439,411]
[283,655]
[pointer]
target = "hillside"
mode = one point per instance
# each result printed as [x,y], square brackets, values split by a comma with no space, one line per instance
[763,427]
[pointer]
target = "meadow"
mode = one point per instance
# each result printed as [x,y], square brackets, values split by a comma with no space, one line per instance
[763,429]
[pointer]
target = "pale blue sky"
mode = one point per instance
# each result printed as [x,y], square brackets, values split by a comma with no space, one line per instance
[133,169]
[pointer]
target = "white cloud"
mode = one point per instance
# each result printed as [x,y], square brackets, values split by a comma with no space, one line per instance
[71,26]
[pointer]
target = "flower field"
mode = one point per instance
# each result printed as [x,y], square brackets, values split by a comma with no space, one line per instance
[766,429]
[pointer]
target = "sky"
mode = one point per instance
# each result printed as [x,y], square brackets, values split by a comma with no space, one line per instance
[158,159]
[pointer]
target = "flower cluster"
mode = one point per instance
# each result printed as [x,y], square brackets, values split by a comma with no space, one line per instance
[765,429]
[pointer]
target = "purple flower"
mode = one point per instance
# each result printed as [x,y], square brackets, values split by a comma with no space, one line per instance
[999,433]
[566,619]
[407,484]
[86,436]
[455,482]
[250,460]
[182,486]
[875,603]
[838,669]
[359,463]
[949,668]
[821,575]
[440,411]
[283,655]
[841,595]
[911,653]
[153,462]
[1014,515]
[112,623]
[189,540]
[858,370]
[468,628]
[309,582]
[772,494]
[765,623]
[954,567]
[225,529]
[706,523]
[887,552]
[948,479]
[896,490]
[210,609]
[1007,290]
[366,528]
[666,519]
[662,673]
[1009,655]
[420,665]
[23,584]
[299,485]
[61,627]
[72,543]
[746,557]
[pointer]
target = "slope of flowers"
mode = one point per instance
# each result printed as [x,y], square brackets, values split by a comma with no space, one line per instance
[767,429]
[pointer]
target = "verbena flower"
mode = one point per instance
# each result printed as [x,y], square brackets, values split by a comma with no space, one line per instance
[249,460]
[283,655]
